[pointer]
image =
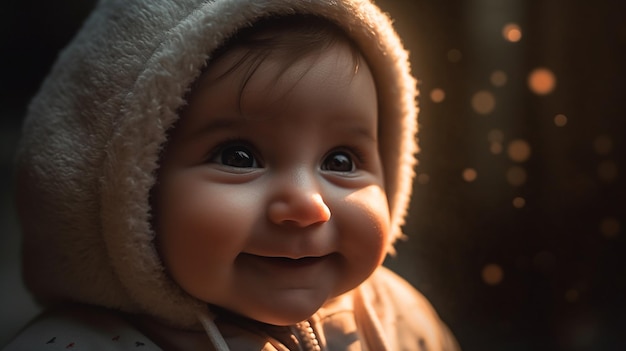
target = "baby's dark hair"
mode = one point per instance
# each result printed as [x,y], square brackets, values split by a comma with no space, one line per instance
[286,38]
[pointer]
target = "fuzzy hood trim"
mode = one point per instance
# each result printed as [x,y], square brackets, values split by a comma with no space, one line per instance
[91,141]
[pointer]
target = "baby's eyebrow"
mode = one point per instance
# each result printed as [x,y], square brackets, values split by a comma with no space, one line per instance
[365,132]
[357,130]
[218,123]
[225,123]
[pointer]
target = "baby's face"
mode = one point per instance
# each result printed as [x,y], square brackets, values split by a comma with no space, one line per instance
[271,207]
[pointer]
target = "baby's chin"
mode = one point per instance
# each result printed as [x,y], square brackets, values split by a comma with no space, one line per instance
[286,305]
[287,314]
[286,311]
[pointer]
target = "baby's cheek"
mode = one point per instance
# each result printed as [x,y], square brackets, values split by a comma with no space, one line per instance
[371,202]
[366,228]
[182,244]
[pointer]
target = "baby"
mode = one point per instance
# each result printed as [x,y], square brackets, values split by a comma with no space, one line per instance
[223,175]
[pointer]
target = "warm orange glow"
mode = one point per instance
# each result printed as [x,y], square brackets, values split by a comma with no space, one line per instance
[541,81]
[492,274]
[560,120]
[519,150]
[607,171]
[516,176]
[498,78]
[469,175]
[483,102]
[454,55]
[437,95]
[512,32]
[603,145]
[519,202]
[610,227]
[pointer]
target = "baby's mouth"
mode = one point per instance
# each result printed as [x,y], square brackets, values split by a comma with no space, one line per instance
[286,262]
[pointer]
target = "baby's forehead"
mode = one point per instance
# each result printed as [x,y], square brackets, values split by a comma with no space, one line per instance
[247,79]
[255,85]
[280,42]
[244,64]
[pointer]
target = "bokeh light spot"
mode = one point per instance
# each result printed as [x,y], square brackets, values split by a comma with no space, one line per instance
[454,55]
[560,120]
[610,227]
[492,274]
[519,202]
[437,95]
[483,102]
[541,81]
[470,175]
[495,148]
[495,138]
[512,32]
[519,150]
[603,145]
[423,178]
[516,176]
[498,78]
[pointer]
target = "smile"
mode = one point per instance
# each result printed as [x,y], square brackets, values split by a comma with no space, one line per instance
[288,263]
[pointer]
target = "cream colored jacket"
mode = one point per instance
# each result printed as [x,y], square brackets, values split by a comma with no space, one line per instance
[90,150]
[384,313]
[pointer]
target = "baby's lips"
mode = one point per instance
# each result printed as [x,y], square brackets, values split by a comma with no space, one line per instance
[287,261]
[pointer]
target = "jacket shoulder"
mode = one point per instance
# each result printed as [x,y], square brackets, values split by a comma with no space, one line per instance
[80,328]
[406,315]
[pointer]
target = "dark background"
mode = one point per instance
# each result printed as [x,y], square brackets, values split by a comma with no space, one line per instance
[516,250]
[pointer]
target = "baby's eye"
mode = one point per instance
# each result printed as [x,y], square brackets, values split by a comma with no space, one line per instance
[238,156]
[338,161]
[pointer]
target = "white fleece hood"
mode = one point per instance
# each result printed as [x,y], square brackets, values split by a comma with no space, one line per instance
[90,147]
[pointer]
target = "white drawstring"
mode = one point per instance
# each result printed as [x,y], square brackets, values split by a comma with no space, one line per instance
[367,322]
[208,323]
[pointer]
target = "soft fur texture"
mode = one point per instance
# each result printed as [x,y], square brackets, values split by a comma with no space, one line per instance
[91,141]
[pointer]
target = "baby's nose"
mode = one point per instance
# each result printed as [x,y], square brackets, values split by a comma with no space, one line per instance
[299,206]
